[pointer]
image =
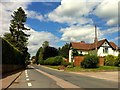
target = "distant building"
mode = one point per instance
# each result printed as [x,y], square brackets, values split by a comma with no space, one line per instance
[103,48]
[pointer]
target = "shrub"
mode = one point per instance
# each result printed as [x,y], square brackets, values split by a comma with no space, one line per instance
[110,60]
[54,61]
[41,62]
[65,63]
[71,65]
[90,61]
[117,60]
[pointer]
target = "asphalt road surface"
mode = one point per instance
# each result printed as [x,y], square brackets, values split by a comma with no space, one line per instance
[40,77]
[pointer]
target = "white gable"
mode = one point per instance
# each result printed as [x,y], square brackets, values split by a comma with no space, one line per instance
[105,44]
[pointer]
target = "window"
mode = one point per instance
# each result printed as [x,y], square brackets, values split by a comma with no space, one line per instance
[80,52]
[105,50]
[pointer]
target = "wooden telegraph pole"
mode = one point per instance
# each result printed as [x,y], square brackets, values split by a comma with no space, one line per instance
[96,40]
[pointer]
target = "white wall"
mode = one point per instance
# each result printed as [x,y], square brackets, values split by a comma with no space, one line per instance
[70,55]
[83,52]
[110,51]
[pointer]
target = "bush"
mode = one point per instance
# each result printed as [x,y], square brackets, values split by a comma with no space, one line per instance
[41,62]
[54,61]
[110,60]
[117,60]
[90,61]
[71,65]
[65,63]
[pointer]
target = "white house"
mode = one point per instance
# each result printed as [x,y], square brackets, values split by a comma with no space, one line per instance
[103,48]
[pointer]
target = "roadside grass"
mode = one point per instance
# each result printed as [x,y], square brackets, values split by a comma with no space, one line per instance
[79,69]
[98,69]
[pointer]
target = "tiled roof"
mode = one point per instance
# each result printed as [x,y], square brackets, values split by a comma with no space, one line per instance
[113,45]
[88,46]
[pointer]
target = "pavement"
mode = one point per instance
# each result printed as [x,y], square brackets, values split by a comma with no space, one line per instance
[112,76]
[7,81]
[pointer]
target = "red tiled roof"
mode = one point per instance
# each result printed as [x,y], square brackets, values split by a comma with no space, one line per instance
[113,45]
[87,46]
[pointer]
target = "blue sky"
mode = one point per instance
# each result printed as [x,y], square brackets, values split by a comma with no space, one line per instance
[64,22]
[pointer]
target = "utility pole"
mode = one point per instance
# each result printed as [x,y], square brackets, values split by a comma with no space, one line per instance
[96,40]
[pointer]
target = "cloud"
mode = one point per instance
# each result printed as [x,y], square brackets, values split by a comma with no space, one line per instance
[110,30]
[76,12]
[7,9]
[35,15]
[78,33]
[108,10]
[72,12]
[36,40]
[85,33]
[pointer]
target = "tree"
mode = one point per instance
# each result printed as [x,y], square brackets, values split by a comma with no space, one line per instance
[8,37]
[49,52]
[17,29]
[17,36]
[75,52]
[45,52]
[64,51]
[45,44]
[39,55]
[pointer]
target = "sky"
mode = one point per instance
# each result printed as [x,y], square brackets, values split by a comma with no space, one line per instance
[63,21]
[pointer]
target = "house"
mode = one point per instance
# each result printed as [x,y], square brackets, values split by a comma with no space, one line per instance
[102,48]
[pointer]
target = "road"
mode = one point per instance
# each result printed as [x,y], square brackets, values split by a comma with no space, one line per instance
[40,77]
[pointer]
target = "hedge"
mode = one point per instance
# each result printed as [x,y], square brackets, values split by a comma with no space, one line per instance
[11,55]
[111,60]
[54,61]
[90,61]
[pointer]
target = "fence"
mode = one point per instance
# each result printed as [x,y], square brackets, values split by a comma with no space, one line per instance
[79,59]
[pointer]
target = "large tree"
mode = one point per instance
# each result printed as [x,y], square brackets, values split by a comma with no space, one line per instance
[64,51]
[45,52]
[17,27]
[17,36]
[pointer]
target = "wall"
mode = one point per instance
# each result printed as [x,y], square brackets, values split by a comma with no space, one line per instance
[79,59]
[70,55]
[110,51]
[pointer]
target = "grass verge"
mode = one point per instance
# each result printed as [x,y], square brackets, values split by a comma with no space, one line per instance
[79,69]
[101,68]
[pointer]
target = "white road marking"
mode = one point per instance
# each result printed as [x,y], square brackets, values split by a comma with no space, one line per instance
[27,76]
[27,79]
[25,72]
[29,84]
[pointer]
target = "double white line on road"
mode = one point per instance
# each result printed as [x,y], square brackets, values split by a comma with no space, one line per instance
[26,74]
